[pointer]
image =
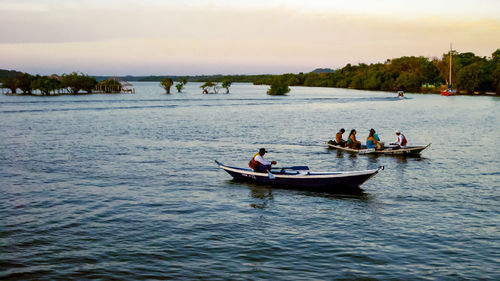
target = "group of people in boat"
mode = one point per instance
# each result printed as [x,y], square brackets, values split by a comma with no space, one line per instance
[372,141]
[259,164]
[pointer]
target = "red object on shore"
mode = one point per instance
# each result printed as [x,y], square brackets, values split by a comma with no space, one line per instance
[448,92]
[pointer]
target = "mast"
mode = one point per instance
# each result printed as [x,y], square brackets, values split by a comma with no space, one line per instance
[450,63]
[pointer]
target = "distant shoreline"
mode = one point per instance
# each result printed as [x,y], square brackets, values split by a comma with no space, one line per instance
[490,94]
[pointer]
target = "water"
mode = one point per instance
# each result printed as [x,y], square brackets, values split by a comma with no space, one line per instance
[125,187]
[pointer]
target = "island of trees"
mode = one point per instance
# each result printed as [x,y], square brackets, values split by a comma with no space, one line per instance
[73,83]
[470,74]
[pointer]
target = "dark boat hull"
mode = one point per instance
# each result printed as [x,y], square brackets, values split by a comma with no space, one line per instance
[317,181]
[409,151]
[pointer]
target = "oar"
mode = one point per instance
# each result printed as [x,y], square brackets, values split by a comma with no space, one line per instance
[292,168]
[270,175]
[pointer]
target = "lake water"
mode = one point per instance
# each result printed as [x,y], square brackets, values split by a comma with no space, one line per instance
[125,187]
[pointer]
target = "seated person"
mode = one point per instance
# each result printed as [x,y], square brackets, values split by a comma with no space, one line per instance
[352,142]
[338,138]
[378,143]
[371,142]
[401,141]
[259,164]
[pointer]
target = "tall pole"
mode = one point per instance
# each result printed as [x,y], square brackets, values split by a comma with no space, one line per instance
[450,62]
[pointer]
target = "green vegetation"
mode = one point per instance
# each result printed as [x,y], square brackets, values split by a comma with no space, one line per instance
[180,85]
[226,83]
[76,82]
[470,74]
[209,85]
[24,83]
[166,83]
[48,85]
[279,86]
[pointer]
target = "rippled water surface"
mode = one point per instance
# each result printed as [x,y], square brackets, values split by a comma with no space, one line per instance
[125,187]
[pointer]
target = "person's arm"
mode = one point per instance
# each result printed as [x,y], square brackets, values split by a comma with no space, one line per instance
[262,161]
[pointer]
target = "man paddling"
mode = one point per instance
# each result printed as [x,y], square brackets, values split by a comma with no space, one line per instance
[259,164]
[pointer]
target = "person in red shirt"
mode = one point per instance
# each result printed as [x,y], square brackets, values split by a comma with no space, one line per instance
[259,164]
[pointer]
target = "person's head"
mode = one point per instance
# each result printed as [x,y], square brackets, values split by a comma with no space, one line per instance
[353,132]
[342,130]
[262,151]
[397,132]
[372,132]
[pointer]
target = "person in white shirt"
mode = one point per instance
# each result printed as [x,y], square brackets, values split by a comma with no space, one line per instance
[401,141]
[259,164]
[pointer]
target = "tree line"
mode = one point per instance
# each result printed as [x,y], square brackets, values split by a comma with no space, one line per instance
[73,83]
[470,74]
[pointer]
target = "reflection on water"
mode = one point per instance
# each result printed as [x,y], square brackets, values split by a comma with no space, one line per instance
[93,185]
[265,196]
[351,193]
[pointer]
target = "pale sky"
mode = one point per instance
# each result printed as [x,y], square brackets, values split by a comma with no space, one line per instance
[174,37]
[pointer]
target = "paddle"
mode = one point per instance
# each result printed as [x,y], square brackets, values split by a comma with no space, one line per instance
[292,168]
[270,175]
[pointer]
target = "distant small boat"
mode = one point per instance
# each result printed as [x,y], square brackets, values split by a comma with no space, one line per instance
[449,91]
[300,177]
[401,94]
[407,151]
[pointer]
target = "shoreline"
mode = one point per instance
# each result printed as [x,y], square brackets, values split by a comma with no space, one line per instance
[489,94]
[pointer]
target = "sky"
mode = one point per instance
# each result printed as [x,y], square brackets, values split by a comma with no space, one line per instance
[174,37]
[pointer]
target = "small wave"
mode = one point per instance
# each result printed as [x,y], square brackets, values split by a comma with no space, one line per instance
[87,108]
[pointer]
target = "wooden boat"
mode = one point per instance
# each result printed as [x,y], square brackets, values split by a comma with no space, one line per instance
[409,150]
[300,177]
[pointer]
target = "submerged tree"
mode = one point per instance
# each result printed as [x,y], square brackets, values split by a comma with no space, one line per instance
[279,87]
[180,84]
[11,84]
[209,86]
[24,83]
[78,81]
[46,84]
[167,83]
[226,83]
[179,87]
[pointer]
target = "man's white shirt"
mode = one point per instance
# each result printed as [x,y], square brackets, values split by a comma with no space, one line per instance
[261,160]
